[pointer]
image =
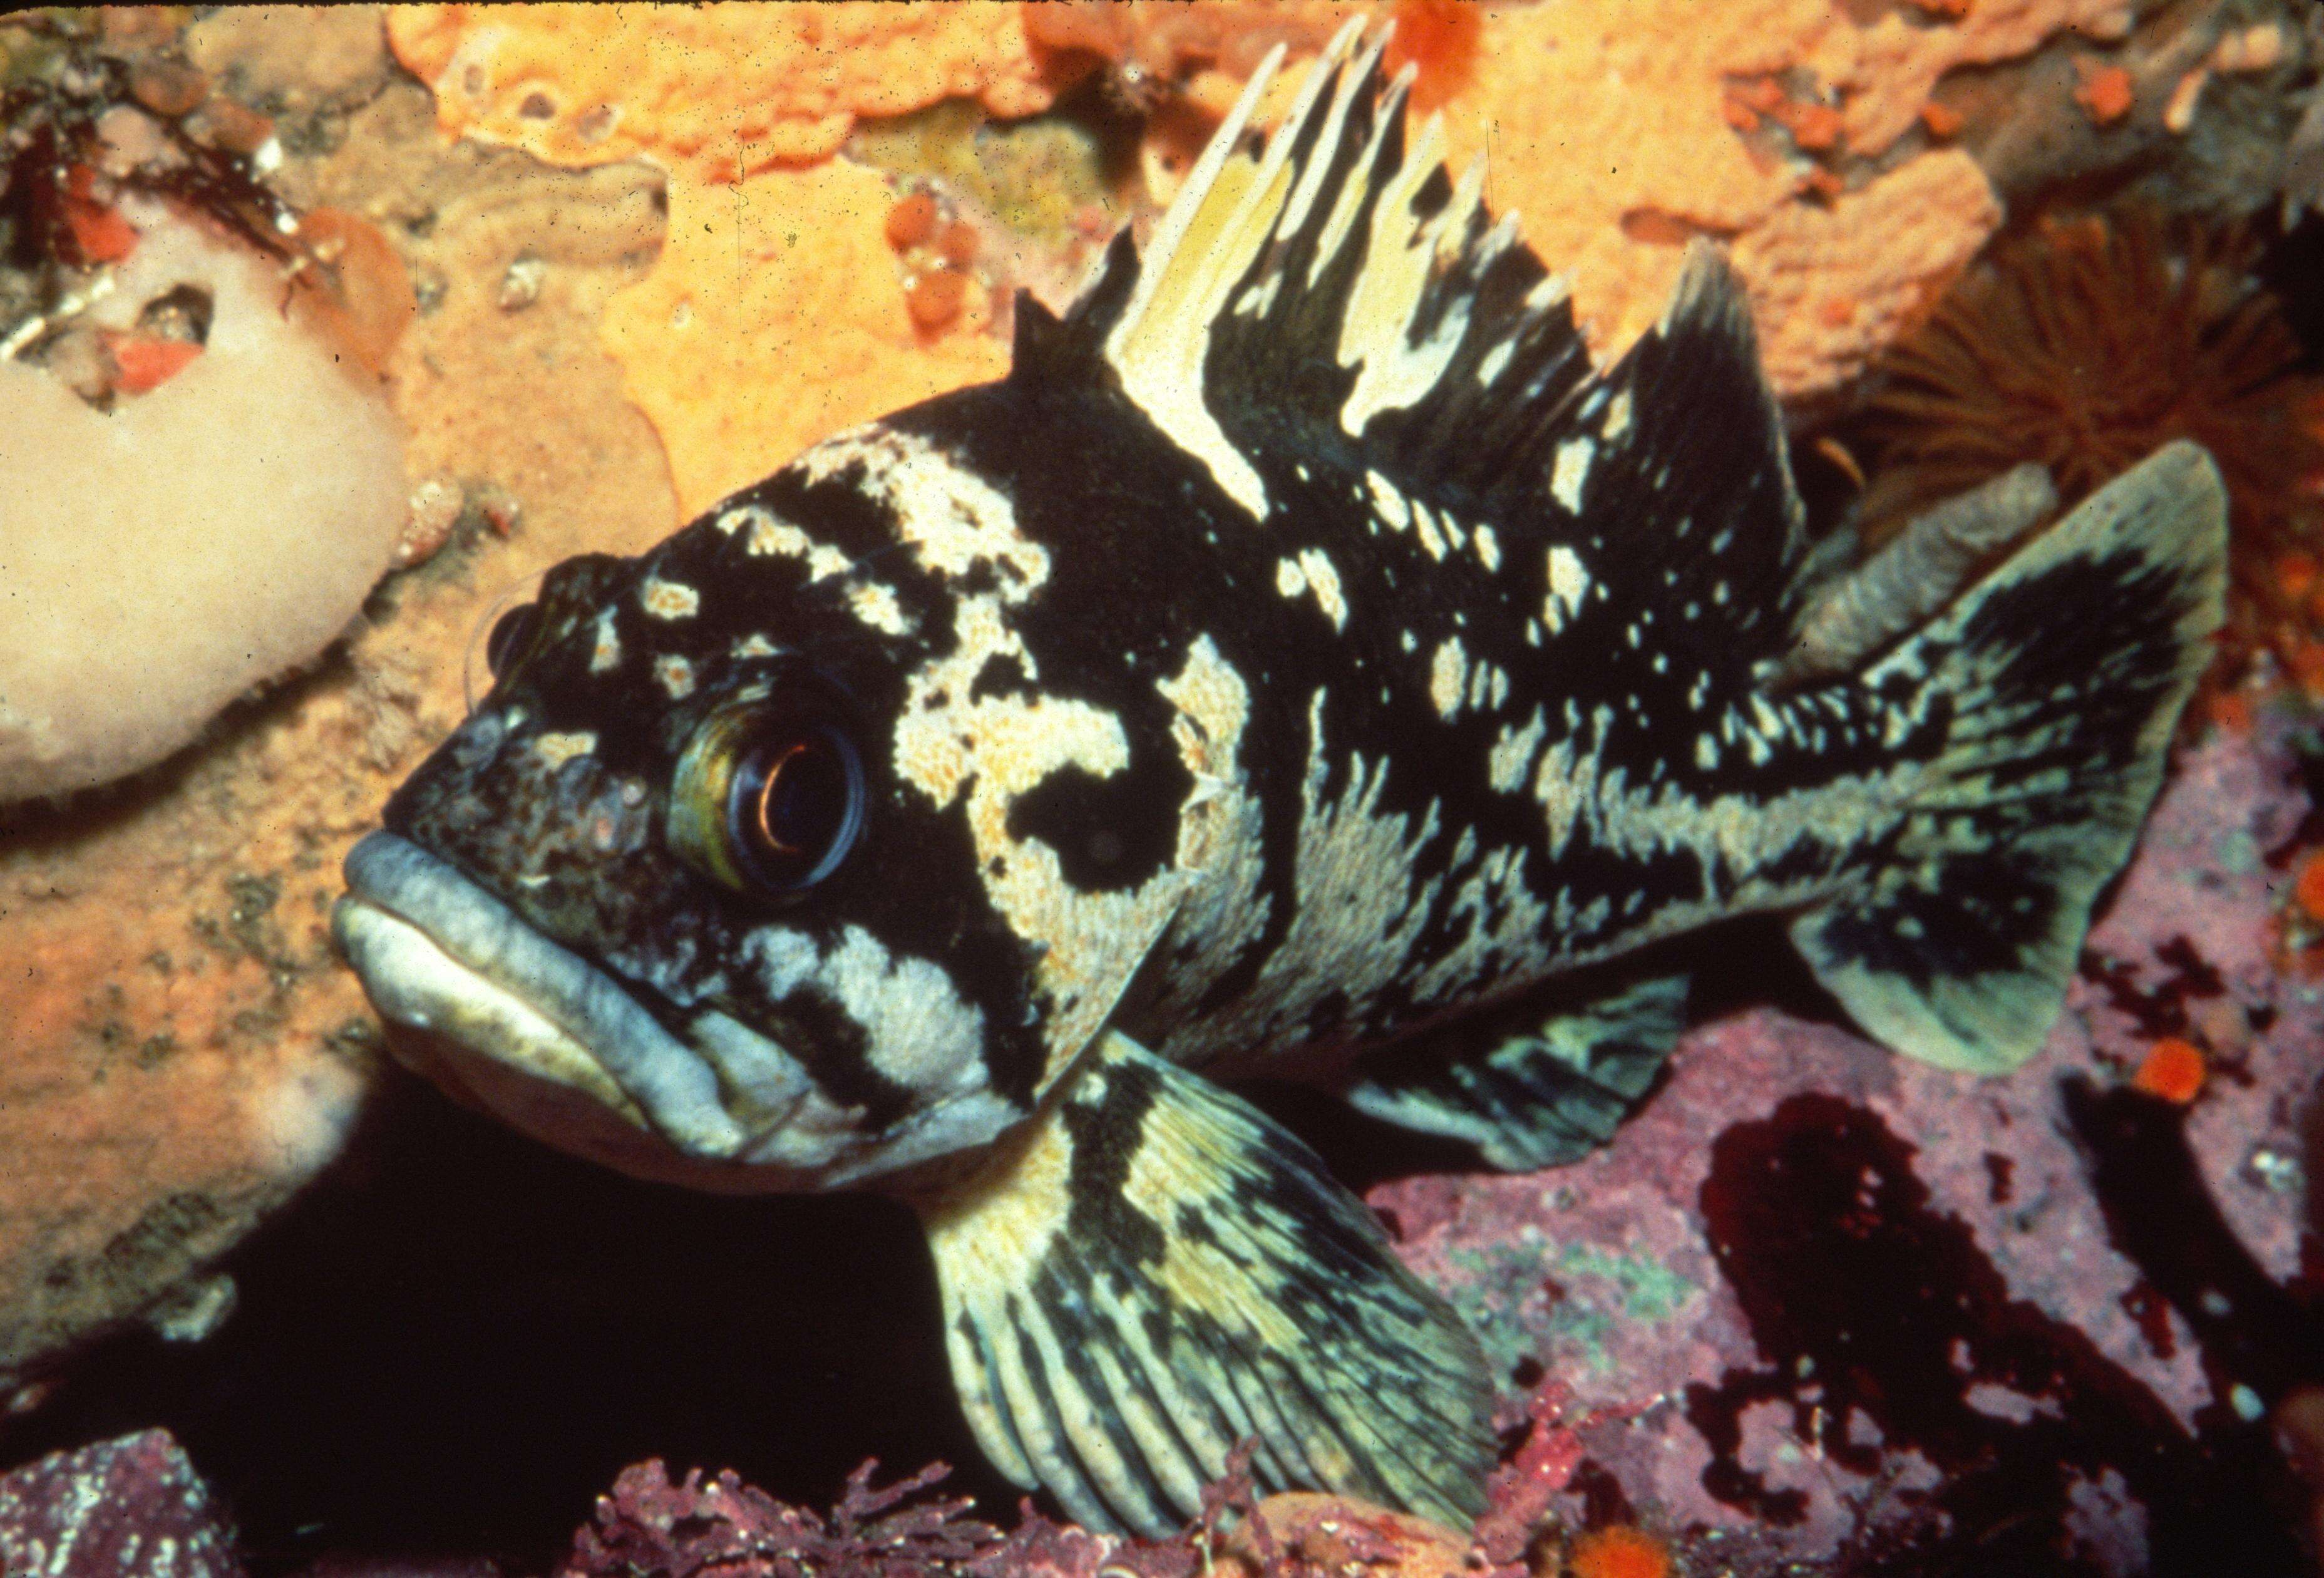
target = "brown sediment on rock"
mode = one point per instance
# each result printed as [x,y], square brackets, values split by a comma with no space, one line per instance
[183,1049]
[778,314]
[1609,126]
[777,263]
[712,93]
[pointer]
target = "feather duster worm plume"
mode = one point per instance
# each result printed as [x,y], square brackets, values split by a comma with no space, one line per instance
[2085,344]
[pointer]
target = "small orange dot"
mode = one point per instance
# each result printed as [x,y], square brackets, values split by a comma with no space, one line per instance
[2106,91]
[911,220]
[102,235]
[2295,574]
[934,298]
[1814,127]
[958,243]
[2309,890]
[1619,1551]
[1942,120]
[2173,1069]
[146,362]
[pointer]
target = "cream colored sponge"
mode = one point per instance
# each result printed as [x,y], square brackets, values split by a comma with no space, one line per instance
[158,559]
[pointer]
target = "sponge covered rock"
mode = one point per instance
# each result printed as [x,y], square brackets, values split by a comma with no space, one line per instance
[158,559]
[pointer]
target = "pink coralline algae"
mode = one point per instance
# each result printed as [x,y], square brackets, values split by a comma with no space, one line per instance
[127,1509]
[1816,1301]
[649,1525]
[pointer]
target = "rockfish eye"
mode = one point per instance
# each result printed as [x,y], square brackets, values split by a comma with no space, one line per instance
[501,637]
[509,634]
[795,805]
[768,800]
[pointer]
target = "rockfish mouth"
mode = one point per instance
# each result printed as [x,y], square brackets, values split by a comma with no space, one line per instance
[480,999]
[441,955]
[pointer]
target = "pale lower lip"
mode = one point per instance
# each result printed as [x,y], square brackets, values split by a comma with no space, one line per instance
[439,952]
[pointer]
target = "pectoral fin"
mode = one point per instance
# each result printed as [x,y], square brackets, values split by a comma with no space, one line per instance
[1535,1095]
[1156,1271]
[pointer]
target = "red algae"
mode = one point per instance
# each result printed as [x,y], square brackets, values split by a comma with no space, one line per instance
[1621,1551]
[1440,39]
[2173,1069]
[2308,890]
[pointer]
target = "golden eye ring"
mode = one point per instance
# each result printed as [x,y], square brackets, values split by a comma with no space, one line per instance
[768,802]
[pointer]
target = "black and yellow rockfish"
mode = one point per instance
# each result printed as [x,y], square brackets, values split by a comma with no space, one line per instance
[1302,648]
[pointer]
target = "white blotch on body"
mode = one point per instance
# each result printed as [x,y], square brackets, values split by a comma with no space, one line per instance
[1388,502]
[1572,471]
[1430,539]
[1512,754]
[875,604]
[1618,417]
[1447,673]
[767,535]
[1569,582]
[1323,580]
[669,599]
[556,750]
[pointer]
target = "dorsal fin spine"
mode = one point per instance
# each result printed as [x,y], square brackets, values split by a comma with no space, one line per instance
[1162,249]
[1340,281]
[1396,370]
[1351,86]
[1383,151]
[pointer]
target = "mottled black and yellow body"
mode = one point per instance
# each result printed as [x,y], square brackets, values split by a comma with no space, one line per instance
[1303,648]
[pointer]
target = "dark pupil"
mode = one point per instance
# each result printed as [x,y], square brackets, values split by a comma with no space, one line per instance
[804,802]
[798,802]
[509,634]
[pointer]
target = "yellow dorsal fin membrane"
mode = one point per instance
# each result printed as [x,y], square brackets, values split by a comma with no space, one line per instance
[2046,695]
[1338,289]
[1155,1271]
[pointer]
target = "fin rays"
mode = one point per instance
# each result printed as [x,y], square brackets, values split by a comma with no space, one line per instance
[1159,1273]
[1339,250]
[1340,293]
[1956,941]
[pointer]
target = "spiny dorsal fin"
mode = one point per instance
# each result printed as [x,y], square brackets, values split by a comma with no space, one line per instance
[1337,289]
[1673,466]
[1335,277]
